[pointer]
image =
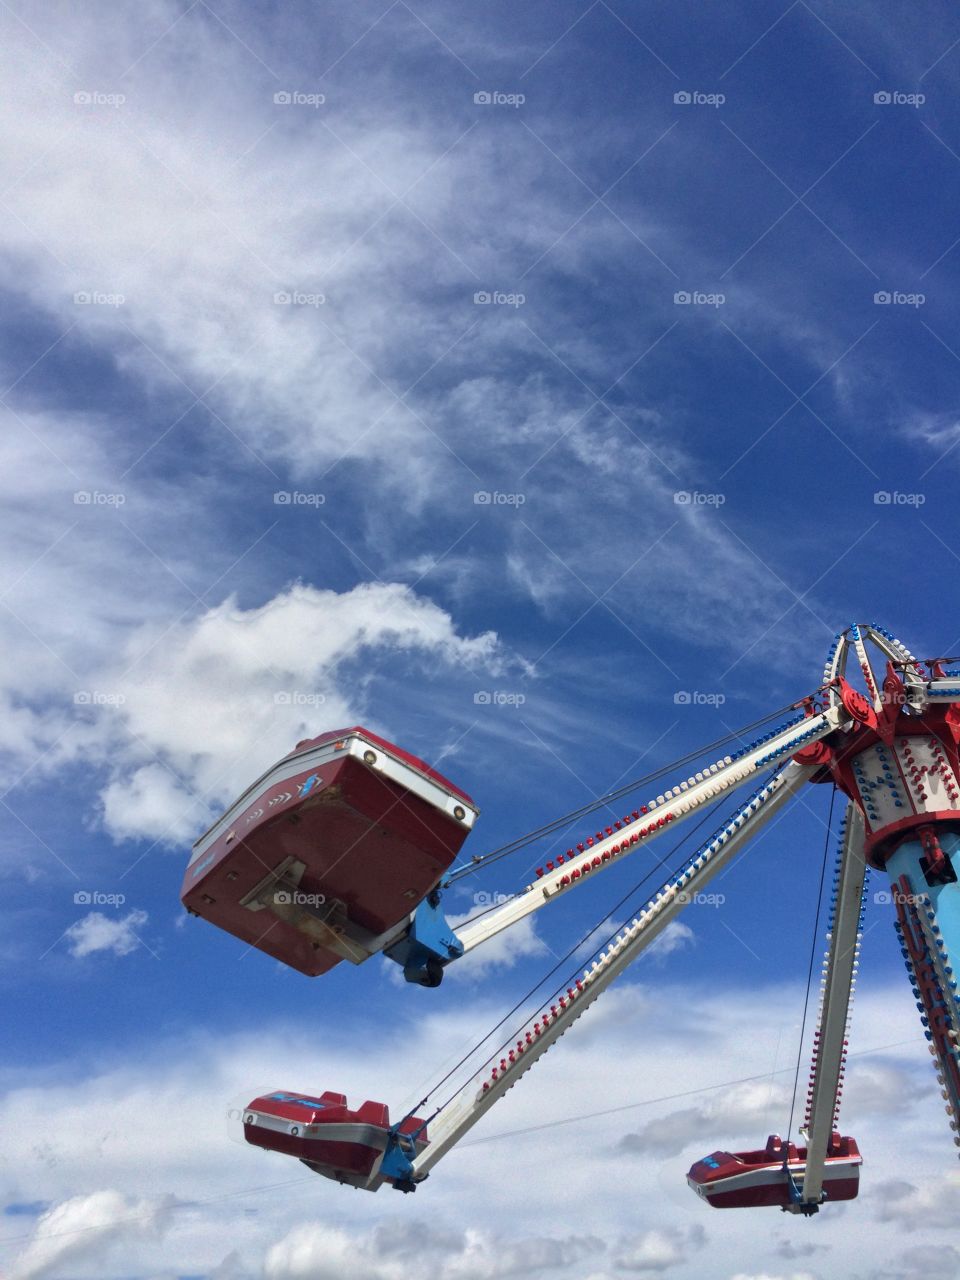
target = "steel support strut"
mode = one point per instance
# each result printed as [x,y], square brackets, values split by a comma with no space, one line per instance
[476,1098]
[663,813]
[839,976]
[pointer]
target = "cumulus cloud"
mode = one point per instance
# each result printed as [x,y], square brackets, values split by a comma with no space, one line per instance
[323,1252]
[96,932]
[677,936]
[923,1262]
[232,690]
[743,1108]
[86,1226]
[267,1207]
[660,1249]
[911,1206]
[503,951]
[306,388]
[183,716]
[769,1275]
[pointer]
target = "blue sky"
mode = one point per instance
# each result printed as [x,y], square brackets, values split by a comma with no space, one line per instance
[211,298]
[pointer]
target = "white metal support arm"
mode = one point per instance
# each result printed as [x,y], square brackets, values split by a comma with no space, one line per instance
[839,976]
[660,815]
[475,1099]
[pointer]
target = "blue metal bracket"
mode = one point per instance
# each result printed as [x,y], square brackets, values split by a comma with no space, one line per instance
[397,1162]
[428,945]
[796,1197]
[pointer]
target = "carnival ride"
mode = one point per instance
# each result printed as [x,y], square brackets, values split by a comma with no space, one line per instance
[344,849]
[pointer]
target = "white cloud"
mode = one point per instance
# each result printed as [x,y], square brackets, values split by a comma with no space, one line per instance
[87,1225]
[677,936]
[911,1206]
[651,1042]
[97,932]
[660,1250]
[321,1252]
[306,387]
[939,431]
[743,1108]
[150,802]
[506,949]
[769,1275]
[231,691]
[182,716]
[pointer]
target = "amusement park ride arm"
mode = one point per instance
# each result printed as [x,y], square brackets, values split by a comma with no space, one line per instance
[657,816]
[363,831]
[839,975]
[475,1099]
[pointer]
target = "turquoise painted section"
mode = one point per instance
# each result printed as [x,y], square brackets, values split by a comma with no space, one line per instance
[429,937]
[944,898]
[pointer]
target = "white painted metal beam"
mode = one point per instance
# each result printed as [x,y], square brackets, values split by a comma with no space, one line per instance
[839,976]
[663,814]
[477,1097]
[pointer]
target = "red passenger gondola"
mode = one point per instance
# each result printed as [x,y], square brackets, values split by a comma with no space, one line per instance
[325,1134]
[751,1179]
[330,850]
